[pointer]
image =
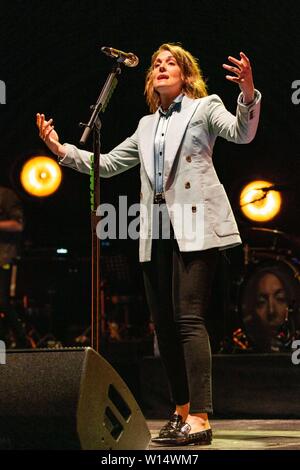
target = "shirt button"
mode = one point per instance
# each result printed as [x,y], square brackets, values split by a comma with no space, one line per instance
[187,185]
[189,158]
[160,153]
[194,209]
[163,134]
[159,173]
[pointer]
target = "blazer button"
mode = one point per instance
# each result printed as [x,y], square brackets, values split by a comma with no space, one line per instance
[194,209]
[189,158]
[187,185]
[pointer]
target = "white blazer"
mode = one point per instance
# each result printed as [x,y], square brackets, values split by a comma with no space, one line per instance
[197,203]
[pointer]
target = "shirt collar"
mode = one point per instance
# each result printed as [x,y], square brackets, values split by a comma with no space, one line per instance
[175,105]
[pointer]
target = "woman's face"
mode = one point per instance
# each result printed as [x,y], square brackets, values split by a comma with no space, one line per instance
[167,75]
[271,301]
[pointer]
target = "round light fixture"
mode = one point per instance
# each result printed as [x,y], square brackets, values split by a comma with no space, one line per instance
[41,176]
[258,203]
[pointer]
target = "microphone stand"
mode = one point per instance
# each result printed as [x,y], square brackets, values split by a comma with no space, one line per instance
[265,190]
[94,124]
[260,198]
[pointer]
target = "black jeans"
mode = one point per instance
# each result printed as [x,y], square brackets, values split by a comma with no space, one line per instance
[178,286]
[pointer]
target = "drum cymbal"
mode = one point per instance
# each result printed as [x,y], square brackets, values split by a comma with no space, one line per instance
[268,230]
[270,238]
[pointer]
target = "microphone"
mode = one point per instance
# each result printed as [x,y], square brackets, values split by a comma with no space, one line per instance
[276,187]
[128,58]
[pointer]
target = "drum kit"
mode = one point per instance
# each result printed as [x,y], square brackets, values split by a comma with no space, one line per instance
[266,293]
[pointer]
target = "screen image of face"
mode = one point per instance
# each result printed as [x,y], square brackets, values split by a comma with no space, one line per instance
[269,306]
[271,302]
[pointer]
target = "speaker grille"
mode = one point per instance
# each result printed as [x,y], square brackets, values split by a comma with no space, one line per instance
[67,399]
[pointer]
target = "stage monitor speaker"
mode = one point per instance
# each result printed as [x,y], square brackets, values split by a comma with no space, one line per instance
[67,399]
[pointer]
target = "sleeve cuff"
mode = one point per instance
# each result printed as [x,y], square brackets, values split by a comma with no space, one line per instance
[257,98]
[69,157]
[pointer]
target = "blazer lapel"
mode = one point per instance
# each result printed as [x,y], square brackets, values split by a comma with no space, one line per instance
[176,132]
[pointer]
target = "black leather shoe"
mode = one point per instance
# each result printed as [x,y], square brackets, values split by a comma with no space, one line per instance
[203,438]
[174,432]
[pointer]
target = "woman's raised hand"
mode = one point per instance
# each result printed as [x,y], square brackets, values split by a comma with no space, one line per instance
[243,75]
[49,135]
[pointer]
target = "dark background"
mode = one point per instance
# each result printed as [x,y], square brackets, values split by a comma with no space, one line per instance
[51,62]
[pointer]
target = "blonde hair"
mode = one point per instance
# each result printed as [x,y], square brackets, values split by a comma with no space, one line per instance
[194,85]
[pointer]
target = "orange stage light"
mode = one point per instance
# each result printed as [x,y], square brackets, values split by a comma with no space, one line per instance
[259,204]
[41,176]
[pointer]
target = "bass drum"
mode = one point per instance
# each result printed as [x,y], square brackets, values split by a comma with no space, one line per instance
[269,301]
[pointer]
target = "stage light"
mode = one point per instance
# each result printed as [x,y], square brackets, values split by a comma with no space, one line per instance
[62,251]
[41,176]
[259,203]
